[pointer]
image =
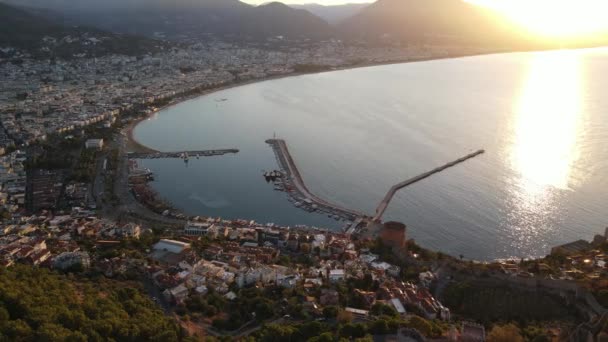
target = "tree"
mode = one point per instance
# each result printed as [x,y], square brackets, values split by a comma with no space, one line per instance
[305,248]
[367,338]
[379,327]
[351,330]
[344,316]
[380,309]
[505,333]
[325,337]
[602,297]
[330,312]
[420,324]
[40,305]
[276,332]
[309,330]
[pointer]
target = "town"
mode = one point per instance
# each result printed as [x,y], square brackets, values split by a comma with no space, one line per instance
[41,97]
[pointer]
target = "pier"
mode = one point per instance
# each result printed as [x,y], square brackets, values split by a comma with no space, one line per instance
[391,193]
[293,180]
[181,154]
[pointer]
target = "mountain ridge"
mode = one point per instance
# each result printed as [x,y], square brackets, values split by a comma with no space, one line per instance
[181,19]
[21,30]
[333,14]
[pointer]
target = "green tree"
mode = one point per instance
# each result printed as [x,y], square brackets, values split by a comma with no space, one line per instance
[276,332]
[353,330]
[330,312]
[505,333]
[325,337]
[40,305]
[381,309]
[420,324]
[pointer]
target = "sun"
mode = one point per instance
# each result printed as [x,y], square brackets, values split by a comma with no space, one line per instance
[554,18]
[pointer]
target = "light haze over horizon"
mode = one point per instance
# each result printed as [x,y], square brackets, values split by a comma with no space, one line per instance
[320,2]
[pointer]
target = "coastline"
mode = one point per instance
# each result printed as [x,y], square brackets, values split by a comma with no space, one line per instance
[133,145]
[235,84]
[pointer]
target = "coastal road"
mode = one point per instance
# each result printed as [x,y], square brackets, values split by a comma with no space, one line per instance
[128,203]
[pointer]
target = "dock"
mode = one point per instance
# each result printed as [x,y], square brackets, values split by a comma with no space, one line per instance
[295,185]
[181,154]
[391,193]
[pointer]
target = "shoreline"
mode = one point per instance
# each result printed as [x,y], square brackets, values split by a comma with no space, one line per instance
[235,84]
[134,145]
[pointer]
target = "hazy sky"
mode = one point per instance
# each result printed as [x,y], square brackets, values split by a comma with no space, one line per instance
[322,2]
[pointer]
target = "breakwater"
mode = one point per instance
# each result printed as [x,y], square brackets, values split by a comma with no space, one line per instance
[295,186]
[182,154]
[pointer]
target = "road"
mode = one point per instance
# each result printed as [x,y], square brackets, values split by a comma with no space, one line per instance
[128,204]
[98,188]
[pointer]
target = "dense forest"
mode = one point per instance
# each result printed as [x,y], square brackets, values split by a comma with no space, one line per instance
[40,305]
[500,303]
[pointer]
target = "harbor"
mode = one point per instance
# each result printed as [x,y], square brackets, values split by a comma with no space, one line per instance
[185,155]
[288,179]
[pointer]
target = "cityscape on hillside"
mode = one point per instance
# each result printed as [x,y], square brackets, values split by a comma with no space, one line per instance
[400,141]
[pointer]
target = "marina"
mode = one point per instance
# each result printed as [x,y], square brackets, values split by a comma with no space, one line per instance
[289,180]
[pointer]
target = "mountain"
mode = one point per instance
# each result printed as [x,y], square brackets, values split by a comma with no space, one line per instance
[332,14]
[429,21]
[189,19]
[277,18]
[21,30]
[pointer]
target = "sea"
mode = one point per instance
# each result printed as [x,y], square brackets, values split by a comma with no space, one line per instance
[542,118]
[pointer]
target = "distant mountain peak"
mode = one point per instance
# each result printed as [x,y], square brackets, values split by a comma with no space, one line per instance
[333,14]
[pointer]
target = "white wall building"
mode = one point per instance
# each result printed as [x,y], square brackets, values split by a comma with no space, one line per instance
[171,246]
[94,144]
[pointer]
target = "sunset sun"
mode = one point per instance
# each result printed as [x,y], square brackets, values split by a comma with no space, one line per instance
[553,18]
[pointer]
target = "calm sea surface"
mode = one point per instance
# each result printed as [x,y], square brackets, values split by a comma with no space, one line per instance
[541,117]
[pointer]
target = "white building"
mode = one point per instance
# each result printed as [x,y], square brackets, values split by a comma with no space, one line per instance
[197,228]
[172,246]
[94,144]
[398,306]
[336,275]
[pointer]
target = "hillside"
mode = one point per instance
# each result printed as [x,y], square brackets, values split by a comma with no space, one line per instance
[428,21]
[24,32]
[190,19]
[278,19]
[332,14]
[39,305]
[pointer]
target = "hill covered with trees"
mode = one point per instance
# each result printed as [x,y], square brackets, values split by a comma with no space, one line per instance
[40,305]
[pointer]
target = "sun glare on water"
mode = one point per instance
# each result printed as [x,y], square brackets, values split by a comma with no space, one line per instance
[547,120]
[554,18]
